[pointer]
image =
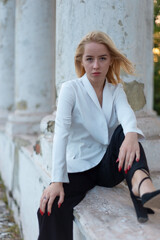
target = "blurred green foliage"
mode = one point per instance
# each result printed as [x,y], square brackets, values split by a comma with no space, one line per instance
[156,52]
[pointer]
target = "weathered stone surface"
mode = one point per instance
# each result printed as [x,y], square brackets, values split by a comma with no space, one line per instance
[22,105]
[47,124]
[152,151]
[8,228]
[108,213]
[135,94]
[34,85]
[7,20]
[34,48]
[150,126]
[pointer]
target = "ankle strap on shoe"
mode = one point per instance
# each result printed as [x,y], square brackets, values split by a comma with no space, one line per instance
[141,183]
[145,171]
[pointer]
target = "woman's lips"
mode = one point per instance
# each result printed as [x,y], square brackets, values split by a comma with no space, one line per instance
[96,73]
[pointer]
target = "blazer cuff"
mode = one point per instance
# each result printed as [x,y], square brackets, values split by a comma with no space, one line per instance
[60,178]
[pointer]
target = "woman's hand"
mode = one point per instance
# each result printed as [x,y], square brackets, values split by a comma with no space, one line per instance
[128,151]
[50,193]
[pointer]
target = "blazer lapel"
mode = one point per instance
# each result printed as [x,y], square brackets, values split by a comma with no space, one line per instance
[107,97]
[101,116]
[90,90]
[107,103]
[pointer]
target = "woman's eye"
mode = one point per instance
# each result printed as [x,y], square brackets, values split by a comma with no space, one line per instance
[103,58]
[89,59]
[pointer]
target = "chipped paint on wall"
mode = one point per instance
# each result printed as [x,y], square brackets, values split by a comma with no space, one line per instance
[135,94]
[22,105]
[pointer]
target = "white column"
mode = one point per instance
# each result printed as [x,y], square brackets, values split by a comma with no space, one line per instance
[34,65]
[7,22]
[128,23]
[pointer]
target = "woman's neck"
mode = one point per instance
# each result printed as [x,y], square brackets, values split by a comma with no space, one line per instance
[98,87]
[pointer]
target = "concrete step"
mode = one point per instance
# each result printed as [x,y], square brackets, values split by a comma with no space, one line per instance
[150,125]
[108,213]
[152,150]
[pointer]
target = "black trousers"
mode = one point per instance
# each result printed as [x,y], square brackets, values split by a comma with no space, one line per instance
[59,225]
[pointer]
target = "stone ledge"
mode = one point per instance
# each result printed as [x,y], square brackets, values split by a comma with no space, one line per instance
[150,125]
[108,213]
[152,151]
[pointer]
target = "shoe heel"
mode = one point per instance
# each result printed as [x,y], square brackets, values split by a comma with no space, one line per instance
[141,212]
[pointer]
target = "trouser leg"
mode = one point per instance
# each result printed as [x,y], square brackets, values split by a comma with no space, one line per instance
[59,225]
[108,174]
[141,164]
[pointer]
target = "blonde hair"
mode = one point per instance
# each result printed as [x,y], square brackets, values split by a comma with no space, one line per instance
[119,61]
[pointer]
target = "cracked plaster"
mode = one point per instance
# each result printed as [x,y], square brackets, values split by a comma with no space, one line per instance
[135,94]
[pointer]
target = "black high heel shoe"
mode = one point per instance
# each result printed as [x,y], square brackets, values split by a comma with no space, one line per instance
[141,211]
[140,204]
[151,199]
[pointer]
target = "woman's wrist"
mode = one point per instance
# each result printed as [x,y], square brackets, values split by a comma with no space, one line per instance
[131,135]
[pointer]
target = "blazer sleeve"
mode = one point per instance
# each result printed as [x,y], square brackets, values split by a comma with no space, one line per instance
[125,114]
[63,119]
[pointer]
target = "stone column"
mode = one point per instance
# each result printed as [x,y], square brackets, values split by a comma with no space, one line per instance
[34,65]
[128,23]
[7,22]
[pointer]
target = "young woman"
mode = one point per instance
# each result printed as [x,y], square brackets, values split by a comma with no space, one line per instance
[95,140]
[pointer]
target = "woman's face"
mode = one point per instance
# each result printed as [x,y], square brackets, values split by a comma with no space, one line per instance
[96,61]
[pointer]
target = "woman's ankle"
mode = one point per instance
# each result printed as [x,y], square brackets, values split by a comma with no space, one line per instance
[146,186]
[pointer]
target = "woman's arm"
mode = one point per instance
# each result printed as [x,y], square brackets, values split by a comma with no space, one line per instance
[125,114]
[129,149]
[63,121]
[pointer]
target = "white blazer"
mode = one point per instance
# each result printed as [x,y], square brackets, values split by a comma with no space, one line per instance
[83,128]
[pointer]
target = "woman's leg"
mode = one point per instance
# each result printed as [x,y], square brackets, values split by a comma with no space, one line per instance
[141,186]
[135,173]
[59,225]
[109,176]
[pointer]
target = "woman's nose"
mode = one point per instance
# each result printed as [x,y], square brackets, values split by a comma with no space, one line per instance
[95,64]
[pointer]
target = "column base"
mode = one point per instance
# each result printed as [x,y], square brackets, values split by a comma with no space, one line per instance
[150,125]
[46,141]
[3,118]
[24,123]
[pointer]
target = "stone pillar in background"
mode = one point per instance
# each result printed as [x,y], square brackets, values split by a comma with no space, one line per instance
[130,25]
[7,23]
[34,65]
